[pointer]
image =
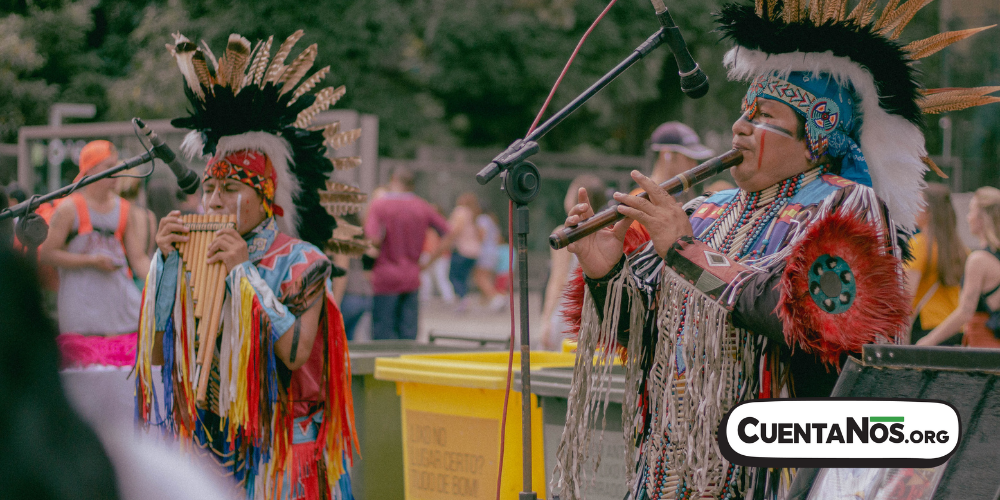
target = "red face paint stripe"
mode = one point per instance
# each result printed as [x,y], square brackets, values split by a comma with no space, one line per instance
[760,152]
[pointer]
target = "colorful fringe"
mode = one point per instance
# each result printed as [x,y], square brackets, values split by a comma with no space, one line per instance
[179,360]
[256,420]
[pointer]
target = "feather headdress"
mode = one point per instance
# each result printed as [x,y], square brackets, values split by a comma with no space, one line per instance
[247,100]
[857,49]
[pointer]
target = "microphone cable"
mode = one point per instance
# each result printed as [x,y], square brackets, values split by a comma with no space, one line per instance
[510,245]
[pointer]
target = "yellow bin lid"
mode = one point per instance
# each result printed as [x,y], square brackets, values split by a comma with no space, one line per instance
[478,370]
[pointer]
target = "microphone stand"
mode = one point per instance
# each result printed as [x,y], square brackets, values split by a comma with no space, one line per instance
[521,183]
[32,229]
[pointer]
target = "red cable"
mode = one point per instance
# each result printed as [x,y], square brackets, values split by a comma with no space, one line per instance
[566,68]
[510,357]
[510,245]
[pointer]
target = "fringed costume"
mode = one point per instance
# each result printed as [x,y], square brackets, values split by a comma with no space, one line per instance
[283,434]
[776,287]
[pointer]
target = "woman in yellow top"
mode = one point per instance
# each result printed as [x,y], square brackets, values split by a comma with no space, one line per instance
[979,304]
[934,275]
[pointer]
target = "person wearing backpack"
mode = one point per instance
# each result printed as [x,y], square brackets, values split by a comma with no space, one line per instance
[94,243]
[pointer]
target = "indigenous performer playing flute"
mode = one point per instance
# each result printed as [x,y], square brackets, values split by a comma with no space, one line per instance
[278,412]
[760,291]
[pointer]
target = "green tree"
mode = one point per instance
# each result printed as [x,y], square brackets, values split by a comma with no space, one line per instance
[23,99]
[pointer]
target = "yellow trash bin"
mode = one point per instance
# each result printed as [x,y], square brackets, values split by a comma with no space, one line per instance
[452,406]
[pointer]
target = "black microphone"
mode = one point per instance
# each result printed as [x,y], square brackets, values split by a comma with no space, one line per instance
[187,180]
[694,82]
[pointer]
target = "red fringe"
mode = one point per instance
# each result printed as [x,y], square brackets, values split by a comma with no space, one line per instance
[880,309]
[306,472]
[572,310]
[339,384]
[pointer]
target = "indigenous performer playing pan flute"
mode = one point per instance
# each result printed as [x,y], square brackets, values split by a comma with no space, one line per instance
[278,411]
[761,291]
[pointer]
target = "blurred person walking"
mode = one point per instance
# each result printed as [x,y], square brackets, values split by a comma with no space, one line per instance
[397,224]
[934,276]
[97,243]
[564,266]
[356,296]
[434,271]
[467,241]
[979,303]
[484,272]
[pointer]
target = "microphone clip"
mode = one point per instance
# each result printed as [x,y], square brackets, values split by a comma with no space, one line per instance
[517,152]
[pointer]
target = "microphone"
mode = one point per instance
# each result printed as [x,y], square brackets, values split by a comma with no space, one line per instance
[187,180]
[694,82]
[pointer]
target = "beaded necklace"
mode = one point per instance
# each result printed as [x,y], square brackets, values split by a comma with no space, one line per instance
[745,218]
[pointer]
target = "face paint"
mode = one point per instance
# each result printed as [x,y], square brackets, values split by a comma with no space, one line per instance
[760,151]
[768,127]
[239,208]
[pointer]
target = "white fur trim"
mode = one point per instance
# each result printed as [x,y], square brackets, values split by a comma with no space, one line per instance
[280,153]
[193,146]
[893,147]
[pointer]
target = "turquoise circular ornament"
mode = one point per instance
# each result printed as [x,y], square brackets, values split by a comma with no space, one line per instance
[832,284]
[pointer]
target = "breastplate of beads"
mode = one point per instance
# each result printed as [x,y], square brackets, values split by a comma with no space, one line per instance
[751,214]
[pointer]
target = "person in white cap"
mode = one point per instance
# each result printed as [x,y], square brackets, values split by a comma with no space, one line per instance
[678,148]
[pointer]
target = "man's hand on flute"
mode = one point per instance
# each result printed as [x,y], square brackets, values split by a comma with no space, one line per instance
[662,215]
[599,252]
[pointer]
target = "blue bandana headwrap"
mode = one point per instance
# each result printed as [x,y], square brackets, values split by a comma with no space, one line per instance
[832,127]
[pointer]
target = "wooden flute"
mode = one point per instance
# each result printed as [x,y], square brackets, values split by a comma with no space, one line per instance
[677,184]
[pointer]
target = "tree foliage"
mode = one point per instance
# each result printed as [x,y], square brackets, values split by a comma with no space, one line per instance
[469,73]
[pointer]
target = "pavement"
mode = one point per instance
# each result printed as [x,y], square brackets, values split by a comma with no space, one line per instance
[477,323]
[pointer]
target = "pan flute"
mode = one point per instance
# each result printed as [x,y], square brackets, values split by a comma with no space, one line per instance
[208,287]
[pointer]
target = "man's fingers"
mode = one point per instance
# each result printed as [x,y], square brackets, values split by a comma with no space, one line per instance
[176,238]
[582,209]
[621,227]
[656,194]
[581,196]
[176,227]
[220,243]
[634,201]
[634,214]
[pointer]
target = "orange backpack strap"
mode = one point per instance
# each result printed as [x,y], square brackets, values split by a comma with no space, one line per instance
[123,209]
[82,213]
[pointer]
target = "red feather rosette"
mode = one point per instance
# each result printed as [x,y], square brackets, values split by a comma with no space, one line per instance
[840,290]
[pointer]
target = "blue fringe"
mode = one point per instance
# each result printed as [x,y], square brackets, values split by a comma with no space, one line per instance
[167,374]
[345,484]
[200,434]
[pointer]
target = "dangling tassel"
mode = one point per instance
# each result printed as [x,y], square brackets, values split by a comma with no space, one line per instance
[144,389]
[590,389]
[694,332]
[341,436]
